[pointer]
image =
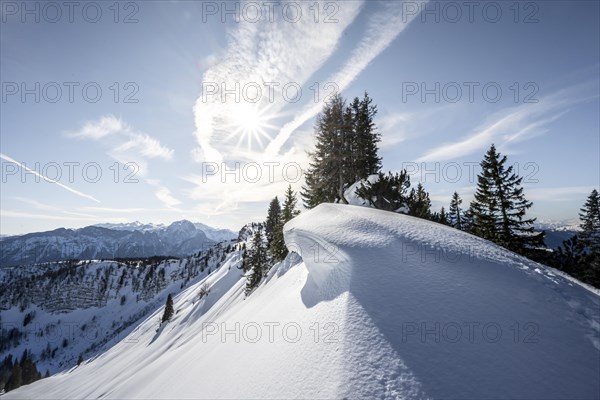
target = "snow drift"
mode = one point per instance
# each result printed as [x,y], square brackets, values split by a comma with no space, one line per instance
[381,305]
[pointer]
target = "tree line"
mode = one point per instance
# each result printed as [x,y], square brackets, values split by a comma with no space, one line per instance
[346,152]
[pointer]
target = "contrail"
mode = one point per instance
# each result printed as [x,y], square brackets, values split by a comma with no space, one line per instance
[384,27]
[22,166]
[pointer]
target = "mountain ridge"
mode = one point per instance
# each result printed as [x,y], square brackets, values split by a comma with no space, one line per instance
[379,305]
[181,238]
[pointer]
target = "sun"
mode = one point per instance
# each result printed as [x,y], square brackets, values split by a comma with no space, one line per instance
[249,124]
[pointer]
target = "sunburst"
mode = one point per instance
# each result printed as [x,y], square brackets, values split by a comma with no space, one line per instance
[249,124]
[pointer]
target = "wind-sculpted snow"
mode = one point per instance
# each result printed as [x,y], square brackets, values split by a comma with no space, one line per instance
[467,318]
[381,305]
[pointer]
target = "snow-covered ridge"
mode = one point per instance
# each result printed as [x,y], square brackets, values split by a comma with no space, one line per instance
[382,305]
[214,234]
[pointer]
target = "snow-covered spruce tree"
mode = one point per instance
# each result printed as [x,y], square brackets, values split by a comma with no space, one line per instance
[256,260]
[388,193]
[498,210]
[169,310]
[456,217]
[345,150]
[277,247]
[419,203]
[273,215]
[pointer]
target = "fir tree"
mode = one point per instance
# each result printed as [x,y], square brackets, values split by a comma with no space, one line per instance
[169,310]
[590,223]
[325,173]
[273,215]
[365,149]
[419,203]
[499,207]
[443,216]
[455,214]
[80,360]
[346,150]
[277,247]
[256,261]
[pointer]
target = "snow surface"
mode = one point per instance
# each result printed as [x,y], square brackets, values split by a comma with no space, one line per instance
[381,305]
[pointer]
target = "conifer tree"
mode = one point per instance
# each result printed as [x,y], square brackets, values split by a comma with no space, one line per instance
[169,310]
[499,208]
[278,249]
[256,261]
[419,203]
[16,378]
[326,172]
[273,215]
[346,150]
[455,213]
[365,149]
[590,223]
[443,216]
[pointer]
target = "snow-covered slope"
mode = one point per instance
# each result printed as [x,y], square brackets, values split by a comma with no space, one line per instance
[59,311]
[381,306]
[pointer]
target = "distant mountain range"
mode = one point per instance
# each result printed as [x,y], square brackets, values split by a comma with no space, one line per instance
[557,231]
[129,240]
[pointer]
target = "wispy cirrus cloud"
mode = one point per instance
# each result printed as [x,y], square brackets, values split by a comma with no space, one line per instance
[163,194]
[515,124]
[269,54]
[54,216]
[383,27]
[126,139]
[106,125]
[392,124]
[279,52]
[563,193]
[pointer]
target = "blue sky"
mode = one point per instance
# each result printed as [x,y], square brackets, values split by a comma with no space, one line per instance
[448,82]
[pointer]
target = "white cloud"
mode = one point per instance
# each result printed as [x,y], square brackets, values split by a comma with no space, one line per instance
[164,195]
[383,27]
[278,52]
[106,125]
[513,124]
[18,214]
[391,128]
[35,204]
[563,193]
[145,146]
[125,139]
